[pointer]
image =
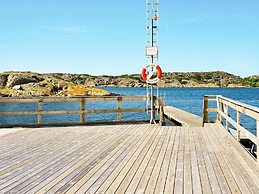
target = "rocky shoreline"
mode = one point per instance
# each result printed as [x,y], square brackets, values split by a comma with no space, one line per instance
[24,84]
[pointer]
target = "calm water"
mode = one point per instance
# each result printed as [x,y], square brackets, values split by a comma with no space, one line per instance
[189,99]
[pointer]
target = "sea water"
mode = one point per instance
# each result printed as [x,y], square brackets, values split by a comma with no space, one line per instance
[188,99]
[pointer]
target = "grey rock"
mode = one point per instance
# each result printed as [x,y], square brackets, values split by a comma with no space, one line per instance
[19,80]
[18,87]
[3,80]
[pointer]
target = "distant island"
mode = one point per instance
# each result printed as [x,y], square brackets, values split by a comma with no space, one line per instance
[25,84]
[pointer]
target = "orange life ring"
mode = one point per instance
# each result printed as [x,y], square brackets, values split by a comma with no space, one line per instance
[149,80]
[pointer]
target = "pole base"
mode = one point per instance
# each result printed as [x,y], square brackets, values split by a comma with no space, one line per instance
[152,121]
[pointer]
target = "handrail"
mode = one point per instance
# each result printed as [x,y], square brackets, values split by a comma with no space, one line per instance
[83,110]
[222,110]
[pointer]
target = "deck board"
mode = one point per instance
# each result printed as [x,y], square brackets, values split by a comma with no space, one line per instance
[137,158]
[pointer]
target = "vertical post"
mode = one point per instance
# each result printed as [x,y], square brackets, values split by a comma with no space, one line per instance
[257,135]
[161,111]
[227,123]
[221,109]
[153,114]
[119,108]
[82,108]
[152,38]
[40,111]
[205,109]
[238,122]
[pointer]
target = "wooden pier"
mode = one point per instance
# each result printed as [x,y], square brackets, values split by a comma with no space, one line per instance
[133,158]
[138,158]
[182,117]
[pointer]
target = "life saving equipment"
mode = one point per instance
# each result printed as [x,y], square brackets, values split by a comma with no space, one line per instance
[148,77]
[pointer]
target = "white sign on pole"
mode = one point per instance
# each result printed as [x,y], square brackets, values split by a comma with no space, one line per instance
[151,51]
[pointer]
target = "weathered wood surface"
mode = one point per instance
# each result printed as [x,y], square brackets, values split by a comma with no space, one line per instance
[126,159]
[183,117]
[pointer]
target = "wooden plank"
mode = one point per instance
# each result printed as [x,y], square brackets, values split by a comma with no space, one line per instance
[170,180]
[108,159]
[73,112]
[183,117]
[248,175]
[163,176]
[20,155]
[228,175]
[200,148]
[211,109]
[187,163]
[153,152]
[215,185]
[83,154]
[218,171]
[230,162]
[154,182]
[196,179]
[211,97]
[134,164]
[13,100]
[23,141]
[42,165]
[152,138]
[73,184]
[98,175]
[179,176]
[72,99]
[32,170]
[9,141]
[148,141]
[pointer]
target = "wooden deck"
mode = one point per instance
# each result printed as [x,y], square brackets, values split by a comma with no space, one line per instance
[183,117]
[126,159]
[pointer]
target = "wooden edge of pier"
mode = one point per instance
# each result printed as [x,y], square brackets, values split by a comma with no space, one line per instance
[182,117]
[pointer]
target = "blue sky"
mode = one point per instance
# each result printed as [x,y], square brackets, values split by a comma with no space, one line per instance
[108,36]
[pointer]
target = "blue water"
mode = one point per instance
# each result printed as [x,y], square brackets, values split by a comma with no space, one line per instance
[189,99]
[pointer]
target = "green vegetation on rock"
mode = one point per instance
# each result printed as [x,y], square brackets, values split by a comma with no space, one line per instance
[252,81]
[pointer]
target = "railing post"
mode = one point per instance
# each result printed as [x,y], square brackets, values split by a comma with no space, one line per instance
[227,123]
[161,111]
[40,111]
[257,135]
[238,122]
[119,108]
[82,108]
[205,109]
[221,109]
